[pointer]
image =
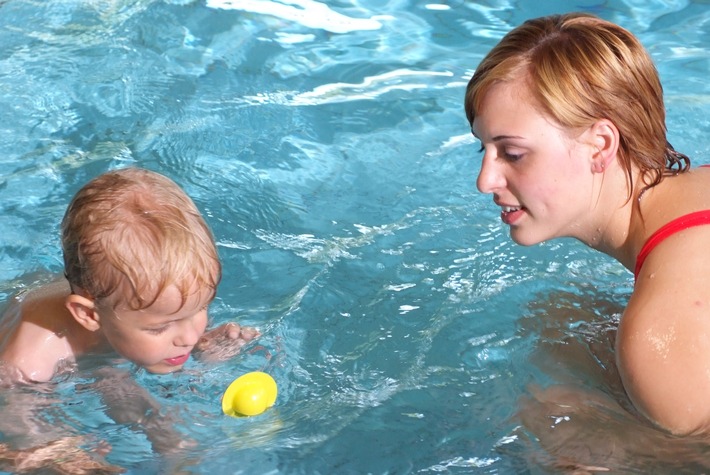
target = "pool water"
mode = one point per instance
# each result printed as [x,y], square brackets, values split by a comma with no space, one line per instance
[327,146]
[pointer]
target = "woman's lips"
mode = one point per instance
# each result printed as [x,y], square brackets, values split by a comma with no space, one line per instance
[510,215]
[178,360]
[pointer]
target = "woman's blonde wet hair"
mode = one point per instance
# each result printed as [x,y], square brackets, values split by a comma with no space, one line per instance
[129,234]
[580,68]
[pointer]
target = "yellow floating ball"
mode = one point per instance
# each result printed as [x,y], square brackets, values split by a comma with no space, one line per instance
[249,395]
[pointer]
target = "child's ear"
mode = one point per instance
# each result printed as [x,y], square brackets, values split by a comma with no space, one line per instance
[84,311]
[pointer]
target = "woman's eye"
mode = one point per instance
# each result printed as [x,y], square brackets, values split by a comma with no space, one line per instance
[512,154]
[513,157]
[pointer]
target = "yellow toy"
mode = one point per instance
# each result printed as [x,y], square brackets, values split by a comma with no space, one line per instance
[249,395]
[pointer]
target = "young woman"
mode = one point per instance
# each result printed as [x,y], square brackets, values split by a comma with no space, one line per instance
[569,111]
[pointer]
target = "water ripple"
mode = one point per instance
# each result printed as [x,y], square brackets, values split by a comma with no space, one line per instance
[308,13]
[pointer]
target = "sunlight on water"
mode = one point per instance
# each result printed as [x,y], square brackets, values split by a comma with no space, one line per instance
[369,89]
[307,13]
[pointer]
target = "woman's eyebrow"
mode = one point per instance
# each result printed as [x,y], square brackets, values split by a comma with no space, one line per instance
[498,138]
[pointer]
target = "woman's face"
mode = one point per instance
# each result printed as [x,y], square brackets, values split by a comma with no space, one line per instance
[538,174]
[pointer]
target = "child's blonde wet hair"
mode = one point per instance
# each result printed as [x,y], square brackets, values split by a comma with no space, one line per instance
[130,234]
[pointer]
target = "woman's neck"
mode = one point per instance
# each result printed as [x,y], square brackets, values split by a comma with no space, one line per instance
[615,217]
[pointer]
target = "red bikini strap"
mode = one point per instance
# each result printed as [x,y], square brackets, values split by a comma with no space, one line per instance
[689,220]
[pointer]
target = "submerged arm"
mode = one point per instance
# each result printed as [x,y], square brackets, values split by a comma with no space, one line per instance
[129,403]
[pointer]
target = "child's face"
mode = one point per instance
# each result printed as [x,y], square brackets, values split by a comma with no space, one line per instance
[538,175]
[160,337]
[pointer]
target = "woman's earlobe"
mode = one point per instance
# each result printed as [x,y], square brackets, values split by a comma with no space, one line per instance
[83,310]
[598,166]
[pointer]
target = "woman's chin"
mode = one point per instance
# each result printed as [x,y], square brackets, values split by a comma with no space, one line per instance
[524,239]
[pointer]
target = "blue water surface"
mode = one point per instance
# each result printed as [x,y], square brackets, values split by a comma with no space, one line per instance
[327,146]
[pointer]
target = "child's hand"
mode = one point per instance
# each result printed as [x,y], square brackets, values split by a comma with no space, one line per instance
[224,342]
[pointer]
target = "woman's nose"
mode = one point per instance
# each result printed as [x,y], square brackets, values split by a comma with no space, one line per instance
[490,176]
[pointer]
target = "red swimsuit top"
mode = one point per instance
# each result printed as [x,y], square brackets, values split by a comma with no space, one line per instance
[689,220]
[697,218]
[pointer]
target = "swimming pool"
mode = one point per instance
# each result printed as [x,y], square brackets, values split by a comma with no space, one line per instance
[328,148]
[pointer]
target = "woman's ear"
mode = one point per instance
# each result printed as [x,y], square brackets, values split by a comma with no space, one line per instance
[605,141]
[83,310]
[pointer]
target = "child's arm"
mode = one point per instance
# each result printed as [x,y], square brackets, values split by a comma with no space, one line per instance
[129,403]
[63,455]
[33,443]
[224,342]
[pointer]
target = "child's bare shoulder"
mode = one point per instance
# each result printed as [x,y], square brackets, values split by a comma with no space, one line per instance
[35,338]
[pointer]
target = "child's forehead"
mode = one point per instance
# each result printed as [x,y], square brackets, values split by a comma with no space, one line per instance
[172,300]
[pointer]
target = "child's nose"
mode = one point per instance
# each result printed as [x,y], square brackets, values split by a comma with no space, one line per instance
[189,334]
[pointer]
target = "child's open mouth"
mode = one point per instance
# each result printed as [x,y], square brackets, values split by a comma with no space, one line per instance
[178,360]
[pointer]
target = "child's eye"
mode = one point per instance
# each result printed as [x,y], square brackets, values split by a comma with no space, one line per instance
[482,149]
[157,331]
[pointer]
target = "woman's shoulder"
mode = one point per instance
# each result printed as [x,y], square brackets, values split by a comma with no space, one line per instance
[674,199]
[663,343]
[689,183]
[663,353]
[674,215]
